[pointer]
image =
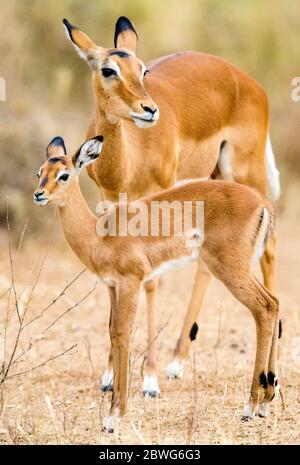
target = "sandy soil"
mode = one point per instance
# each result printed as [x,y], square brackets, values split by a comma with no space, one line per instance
[61,402]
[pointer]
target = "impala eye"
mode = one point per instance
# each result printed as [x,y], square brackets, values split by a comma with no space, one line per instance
[64,177]
[38,175]
[107,72]
[145,73]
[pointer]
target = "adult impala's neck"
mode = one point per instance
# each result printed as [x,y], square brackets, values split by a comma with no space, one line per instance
[112,169]
[79,224]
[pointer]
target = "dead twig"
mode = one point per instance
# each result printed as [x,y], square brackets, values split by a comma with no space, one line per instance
[70,308]
[15,346]
[41,337]
[55,299]
[50,359]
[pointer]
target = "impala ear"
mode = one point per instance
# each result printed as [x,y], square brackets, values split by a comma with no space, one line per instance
[84,46]
[88,152]
[56,148]
[125,35]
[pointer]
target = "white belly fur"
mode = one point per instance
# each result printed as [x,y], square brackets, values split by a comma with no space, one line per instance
[172,265]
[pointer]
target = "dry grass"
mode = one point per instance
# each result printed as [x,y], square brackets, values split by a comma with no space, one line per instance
[61,403]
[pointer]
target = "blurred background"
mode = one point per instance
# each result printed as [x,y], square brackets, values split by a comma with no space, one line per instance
[49,88]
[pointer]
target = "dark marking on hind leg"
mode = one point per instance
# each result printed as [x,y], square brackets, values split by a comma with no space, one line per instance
[263,380]
[194,331]
[280,329]
[272,380]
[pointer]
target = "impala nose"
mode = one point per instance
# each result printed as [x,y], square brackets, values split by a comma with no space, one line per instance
[38,194]
[149,110]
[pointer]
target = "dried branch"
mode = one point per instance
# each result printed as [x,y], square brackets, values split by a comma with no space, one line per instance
[4,293]
[4,375]
[12,265]
[55,299]
[36,281]
[15,346]
[21,238]
[50,359]
[31,344]
[149,345]
[70,308]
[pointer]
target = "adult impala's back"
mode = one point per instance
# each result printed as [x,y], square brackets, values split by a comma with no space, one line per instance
[202,115]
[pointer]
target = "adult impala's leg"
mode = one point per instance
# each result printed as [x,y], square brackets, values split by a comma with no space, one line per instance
[150,383]
[248,158]
[107,378]
[109,422]
[273,362]
[121,328]
[190,326]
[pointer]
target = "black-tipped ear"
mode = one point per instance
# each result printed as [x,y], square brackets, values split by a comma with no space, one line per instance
[88,152]
[99,138]
[84,46]
[125,34]
[69,27]
[56,148]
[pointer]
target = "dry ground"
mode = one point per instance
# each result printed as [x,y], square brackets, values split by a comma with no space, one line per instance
[61,403]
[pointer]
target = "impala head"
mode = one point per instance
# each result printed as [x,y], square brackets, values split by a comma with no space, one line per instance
[56,174]
[118,75]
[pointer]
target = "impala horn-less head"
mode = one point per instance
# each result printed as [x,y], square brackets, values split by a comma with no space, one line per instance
[56,174]
[118,75]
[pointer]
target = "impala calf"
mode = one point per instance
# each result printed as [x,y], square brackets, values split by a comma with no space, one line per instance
[237,223]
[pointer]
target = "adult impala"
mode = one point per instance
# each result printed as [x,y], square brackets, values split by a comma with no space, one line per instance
[203,116]
[237,223]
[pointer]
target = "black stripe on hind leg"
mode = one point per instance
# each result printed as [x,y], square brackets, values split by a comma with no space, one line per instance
[194,331]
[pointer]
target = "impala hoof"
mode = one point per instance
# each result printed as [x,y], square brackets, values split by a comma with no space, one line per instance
[245,418]
[151,394]
[150,386]
[175,370]
[263,410]
[249,413]
[109,424]
[108,388]
[107,381]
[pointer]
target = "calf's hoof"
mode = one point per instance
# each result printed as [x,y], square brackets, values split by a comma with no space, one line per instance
[107,381]
[108,388]
[249,413]
[150,386]
[263,410]
[109,424]
[175,370]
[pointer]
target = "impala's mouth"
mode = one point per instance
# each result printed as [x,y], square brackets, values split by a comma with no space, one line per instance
[40,200]
[145,119]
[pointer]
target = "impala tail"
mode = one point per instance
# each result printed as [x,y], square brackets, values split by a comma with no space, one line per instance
[264,230]
[273,175]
